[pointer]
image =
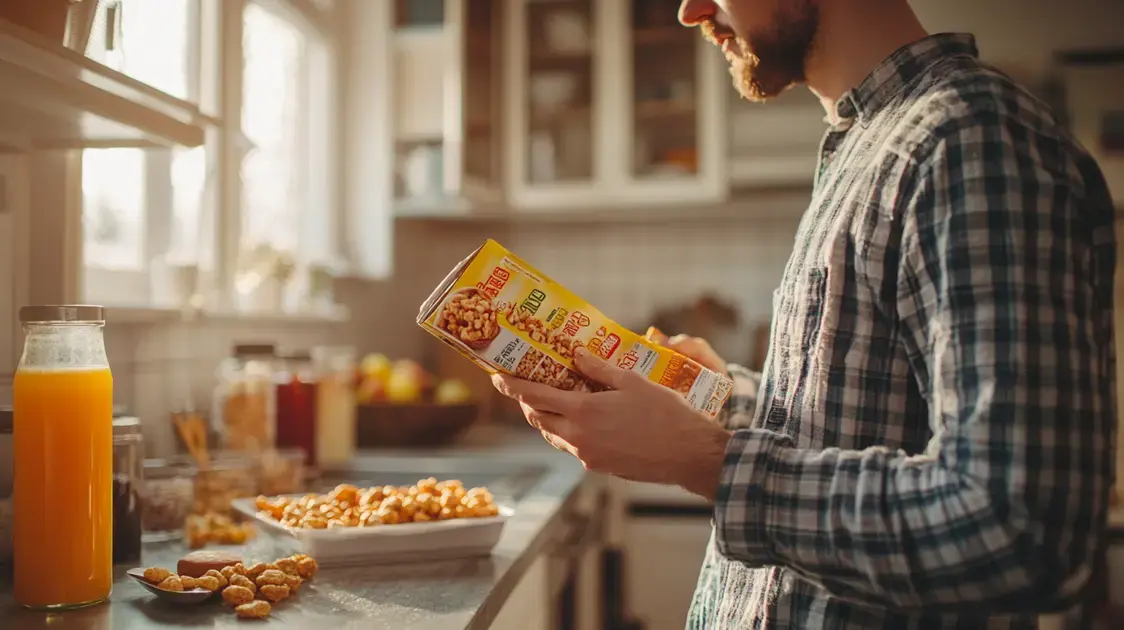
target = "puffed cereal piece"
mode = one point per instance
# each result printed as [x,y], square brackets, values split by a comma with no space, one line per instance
[286,565]
[156,575]
[209,582]
[307,567]
[189,583]
[255,570]
[256,609]
[293,582]
[270,576]
[237,595]
[218,577]
[171,583]
[275,592]
[244,582]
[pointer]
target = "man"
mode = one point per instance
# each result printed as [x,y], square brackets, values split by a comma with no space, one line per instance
[931,442]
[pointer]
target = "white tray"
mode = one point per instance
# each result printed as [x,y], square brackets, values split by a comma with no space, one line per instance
[404,542]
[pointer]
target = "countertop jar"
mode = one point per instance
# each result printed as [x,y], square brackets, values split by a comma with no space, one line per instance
[168,498]
[335,405]
[231,476]
[244,410]
[128,475]
[62,490]
[5,489]
[296,405]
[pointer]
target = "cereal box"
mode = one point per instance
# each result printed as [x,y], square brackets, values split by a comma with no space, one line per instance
[506,316]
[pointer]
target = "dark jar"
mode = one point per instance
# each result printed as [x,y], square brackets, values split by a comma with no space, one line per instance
[128,466]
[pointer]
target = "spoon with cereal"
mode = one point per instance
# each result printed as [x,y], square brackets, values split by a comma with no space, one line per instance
[176,589]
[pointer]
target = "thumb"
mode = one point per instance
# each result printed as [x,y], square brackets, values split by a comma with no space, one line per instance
[602,371]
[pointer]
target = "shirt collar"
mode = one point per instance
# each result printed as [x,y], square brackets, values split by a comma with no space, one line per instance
[896,72]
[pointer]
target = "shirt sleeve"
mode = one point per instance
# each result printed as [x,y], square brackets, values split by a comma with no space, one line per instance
[740,407]
[1004,297]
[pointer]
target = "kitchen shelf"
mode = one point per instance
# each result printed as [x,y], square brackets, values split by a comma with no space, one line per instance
[772,204]
[56,98]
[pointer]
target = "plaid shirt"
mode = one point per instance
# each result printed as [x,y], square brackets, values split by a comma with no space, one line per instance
[931,442]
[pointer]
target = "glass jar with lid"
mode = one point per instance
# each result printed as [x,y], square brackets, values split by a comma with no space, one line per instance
[335,405]
[244,412]
[296,385]
[168,498]
[128,475]
[62,491]
[5,488]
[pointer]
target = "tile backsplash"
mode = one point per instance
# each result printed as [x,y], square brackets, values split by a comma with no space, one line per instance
[627,270]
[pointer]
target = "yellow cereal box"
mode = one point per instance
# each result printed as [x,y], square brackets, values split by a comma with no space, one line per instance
[506,316]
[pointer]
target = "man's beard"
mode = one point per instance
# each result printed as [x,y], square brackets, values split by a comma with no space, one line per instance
[775,60]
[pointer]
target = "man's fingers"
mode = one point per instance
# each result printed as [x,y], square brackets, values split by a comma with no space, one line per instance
[602,371]
[537,395]
[559,443]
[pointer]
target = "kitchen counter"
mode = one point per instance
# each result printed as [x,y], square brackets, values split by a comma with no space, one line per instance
[437,595]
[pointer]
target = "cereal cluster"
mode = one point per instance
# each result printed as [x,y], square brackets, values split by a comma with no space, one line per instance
[350,506]
[470,316]
[241,585]
[213,528]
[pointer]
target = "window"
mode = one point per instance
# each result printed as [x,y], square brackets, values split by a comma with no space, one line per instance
[134,198]
[144,207]
[286,113]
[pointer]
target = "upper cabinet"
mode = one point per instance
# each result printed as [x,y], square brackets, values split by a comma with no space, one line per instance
[577,105]
[609,102]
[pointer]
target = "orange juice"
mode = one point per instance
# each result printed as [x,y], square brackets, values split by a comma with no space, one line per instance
[63,487]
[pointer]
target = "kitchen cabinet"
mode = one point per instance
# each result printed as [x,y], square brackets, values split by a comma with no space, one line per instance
[528,607]
[608,103]
[663,554]
[555,106]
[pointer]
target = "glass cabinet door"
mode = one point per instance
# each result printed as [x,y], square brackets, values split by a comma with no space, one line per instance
[482,89]
[558,93]
[665,92]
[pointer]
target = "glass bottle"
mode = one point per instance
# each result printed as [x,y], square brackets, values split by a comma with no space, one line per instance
[62,493]
[335,405]
[296,405]
[128,458]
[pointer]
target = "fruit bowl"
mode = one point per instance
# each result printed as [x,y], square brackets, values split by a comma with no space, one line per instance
[413,425]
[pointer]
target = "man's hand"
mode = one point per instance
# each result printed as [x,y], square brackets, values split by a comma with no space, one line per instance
[638,430]
[695,348]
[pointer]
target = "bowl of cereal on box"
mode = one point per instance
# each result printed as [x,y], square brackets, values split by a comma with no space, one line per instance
[469,316]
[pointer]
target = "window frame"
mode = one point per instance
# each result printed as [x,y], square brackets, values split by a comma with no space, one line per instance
[215,61]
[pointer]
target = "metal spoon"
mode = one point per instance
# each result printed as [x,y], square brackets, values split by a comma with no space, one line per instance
[195,596]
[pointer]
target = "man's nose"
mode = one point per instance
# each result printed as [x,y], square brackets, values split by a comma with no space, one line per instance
[695,12]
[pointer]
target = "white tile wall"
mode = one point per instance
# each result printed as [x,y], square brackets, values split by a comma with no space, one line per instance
[626,270]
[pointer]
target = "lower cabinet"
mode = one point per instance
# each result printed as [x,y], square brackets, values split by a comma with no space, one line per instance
[529,606]
[664,550]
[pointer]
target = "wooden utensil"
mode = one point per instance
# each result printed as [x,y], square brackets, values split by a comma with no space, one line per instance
[193,431]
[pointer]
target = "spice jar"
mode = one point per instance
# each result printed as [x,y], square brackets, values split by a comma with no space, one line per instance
[127,479]
[335,405]
[244,399]
[296,404]
[167,499]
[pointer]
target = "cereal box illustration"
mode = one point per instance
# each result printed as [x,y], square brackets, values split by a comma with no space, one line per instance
[508,317]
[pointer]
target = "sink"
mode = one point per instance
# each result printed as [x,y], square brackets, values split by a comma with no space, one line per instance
[508,481]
